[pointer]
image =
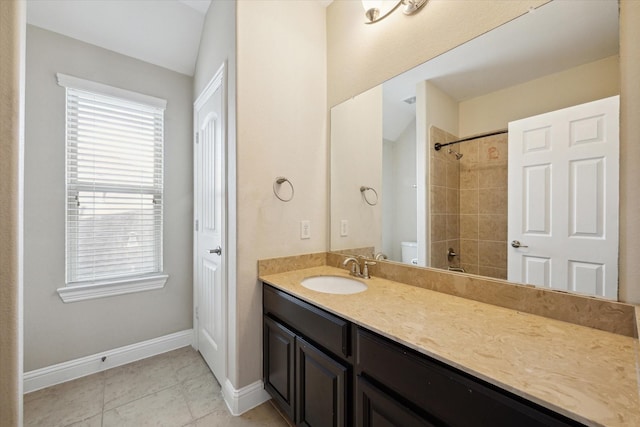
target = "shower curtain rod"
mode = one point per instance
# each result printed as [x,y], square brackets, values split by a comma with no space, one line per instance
[437,146]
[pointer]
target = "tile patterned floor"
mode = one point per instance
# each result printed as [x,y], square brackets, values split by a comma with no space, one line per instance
[174,389]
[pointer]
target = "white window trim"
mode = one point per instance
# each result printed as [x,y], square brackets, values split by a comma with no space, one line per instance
[82,84]
[110,288]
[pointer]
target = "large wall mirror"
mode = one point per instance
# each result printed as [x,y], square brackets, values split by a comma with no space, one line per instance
[544,84]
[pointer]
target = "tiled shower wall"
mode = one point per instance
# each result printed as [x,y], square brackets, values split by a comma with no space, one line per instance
[468,204]
[483,206]
[444,214]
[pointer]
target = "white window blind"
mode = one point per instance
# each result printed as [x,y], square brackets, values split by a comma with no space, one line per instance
[114,187]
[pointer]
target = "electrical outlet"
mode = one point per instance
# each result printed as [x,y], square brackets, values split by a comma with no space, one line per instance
[344,228]
[305,229]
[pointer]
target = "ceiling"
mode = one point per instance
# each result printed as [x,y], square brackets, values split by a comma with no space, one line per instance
[557,36]
[161,32]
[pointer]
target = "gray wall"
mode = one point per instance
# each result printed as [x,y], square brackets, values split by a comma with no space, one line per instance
[56,332]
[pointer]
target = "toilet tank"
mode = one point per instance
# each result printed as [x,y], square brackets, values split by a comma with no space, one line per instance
[409,252]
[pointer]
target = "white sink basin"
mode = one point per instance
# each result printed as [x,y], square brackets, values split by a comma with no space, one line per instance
[334,285]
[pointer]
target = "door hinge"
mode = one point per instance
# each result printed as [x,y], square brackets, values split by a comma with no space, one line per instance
[197,137]
[197,225]
[197,315]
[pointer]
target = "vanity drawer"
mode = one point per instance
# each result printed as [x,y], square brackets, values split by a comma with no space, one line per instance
[327,330]
[442,392]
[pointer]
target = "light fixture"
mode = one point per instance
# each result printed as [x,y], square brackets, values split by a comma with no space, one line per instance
[376,10]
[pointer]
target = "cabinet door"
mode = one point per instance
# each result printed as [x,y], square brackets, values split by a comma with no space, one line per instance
[377,409]
[455,398]
[330,332]
[321,388]
[278,369]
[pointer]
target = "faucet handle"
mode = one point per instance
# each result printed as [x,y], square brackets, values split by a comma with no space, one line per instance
[379,256]
[365,269]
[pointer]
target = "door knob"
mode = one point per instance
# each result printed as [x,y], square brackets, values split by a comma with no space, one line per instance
[516,244]
[217,250]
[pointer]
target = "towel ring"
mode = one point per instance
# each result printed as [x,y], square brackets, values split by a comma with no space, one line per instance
[366,199]
[279,181]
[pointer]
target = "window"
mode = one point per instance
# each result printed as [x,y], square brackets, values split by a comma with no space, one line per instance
[114,190]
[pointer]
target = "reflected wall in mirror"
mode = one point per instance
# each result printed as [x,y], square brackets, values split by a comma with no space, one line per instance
[449,208]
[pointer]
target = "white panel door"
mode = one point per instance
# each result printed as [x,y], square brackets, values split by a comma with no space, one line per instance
[563,199]
[209,209]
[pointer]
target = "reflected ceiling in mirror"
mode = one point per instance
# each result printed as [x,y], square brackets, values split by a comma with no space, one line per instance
[562,54]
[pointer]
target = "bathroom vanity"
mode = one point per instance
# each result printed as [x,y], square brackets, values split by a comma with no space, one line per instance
[308,360]
[401,355]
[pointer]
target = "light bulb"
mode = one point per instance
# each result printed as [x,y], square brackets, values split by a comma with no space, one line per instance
[371,4]
[372,9]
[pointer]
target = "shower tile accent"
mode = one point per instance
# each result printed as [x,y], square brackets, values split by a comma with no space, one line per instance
[438,227]
[444,187]
[468,176]
[492,200]
[483,206]
[469,201]
[493,175]
[452,201]
[453,174]
[469,252]
[439,172]
[491,227]
[492,254]
[439,254]
[438,199]
[453,227]
[469,226]
[468,204]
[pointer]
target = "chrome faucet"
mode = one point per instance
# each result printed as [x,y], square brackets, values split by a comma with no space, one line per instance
[379,256]
[355,267]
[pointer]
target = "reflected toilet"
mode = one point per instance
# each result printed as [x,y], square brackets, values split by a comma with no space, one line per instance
[409,252]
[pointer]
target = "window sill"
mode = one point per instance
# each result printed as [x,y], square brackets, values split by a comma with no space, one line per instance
[112,288]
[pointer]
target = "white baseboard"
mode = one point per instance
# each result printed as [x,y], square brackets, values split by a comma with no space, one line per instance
[244,399]
[66,371]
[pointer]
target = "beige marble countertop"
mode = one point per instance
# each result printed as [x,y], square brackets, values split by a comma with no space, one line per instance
[589,375]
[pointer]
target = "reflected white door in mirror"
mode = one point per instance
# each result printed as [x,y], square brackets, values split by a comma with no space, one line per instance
[566,162]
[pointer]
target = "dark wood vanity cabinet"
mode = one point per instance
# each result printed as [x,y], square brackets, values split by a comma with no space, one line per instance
[323,371]
[321,387]
[306,361]
[393,379]
[375,408]
[279,367]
